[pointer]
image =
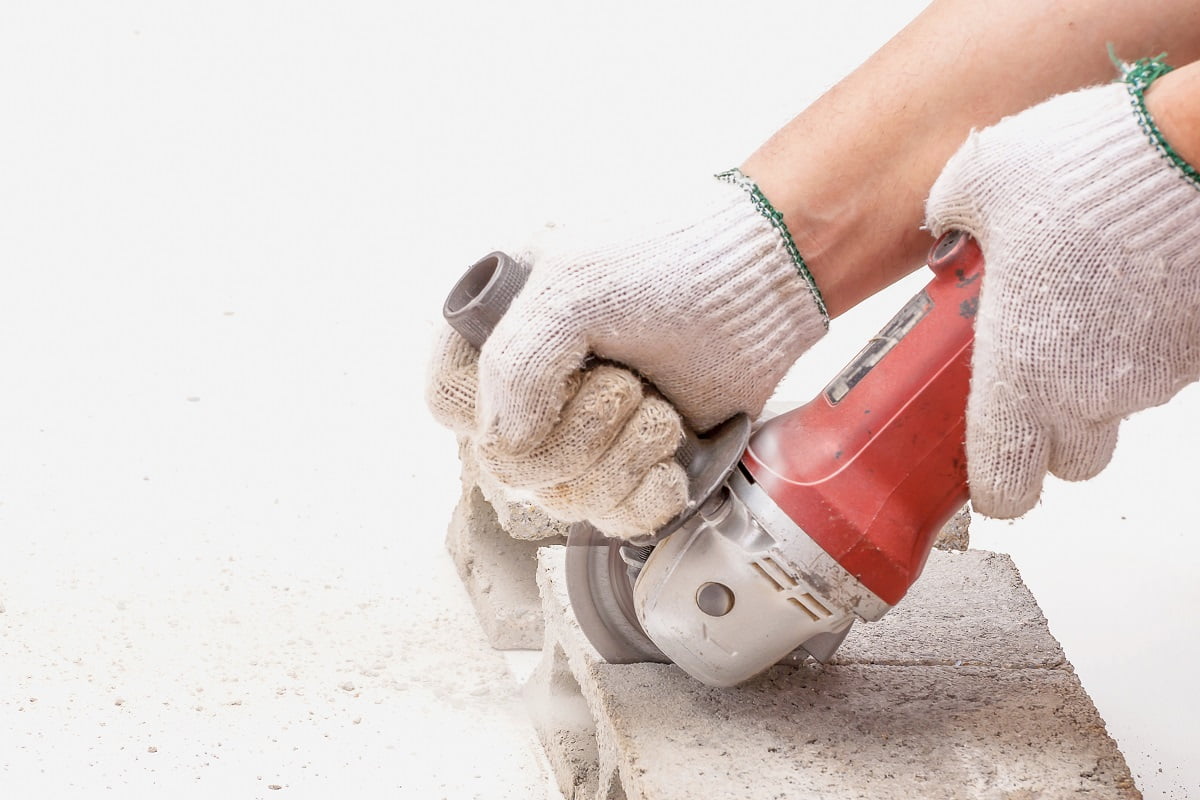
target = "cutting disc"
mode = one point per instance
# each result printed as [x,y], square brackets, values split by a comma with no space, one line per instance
[600,582]
[600,586]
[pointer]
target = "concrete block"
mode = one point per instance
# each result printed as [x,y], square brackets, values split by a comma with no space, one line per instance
[498,572]
[1012,722]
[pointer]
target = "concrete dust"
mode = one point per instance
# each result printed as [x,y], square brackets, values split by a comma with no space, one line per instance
[197,675]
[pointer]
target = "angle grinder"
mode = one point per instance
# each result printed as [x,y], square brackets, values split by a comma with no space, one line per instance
[821,516]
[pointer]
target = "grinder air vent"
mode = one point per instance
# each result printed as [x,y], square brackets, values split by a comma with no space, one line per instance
[770,569]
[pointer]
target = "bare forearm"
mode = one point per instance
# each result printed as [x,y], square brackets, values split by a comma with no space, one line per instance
[1174,103]
[851,173]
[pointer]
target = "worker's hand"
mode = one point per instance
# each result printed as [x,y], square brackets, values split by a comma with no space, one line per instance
[609,460]
[710,306]
[1090,308]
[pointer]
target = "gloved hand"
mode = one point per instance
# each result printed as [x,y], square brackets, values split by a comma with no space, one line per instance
[710,305]
[610,459]
[1090,309]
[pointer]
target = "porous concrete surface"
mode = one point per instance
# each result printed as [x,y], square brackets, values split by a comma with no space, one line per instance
[493,540]
[968,608]
[498,572]
[519,517]
[997,727]
[201,664]
[956,534]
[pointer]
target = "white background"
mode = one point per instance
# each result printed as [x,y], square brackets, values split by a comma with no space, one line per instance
[225,233]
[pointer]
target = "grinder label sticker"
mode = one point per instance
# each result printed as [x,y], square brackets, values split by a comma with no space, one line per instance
[879,346]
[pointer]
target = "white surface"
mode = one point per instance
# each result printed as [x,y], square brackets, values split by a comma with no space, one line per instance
[225,232]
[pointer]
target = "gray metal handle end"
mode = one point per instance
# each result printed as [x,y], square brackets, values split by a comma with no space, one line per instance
[483,294]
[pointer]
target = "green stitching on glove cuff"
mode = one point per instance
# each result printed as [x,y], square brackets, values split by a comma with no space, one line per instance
[1137,78]
[768,211]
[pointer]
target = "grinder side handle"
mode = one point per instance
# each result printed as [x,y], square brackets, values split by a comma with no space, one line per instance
[483,294]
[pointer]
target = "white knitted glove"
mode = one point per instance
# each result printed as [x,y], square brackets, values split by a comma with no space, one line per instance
[1090,310]
[710,306]
[610,459]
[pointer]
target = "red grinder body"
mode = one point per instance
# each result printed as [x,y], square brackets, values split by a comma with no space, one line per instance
[873,467]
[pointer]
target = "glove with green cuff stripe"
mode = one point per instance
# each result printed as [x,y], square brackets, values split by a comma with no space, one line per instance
[1090,309]
[709,304]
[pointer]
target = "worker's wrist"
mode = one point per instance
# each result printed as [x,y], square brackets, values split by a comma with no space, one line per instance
[1168,106]
[853,241]
[764,207]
